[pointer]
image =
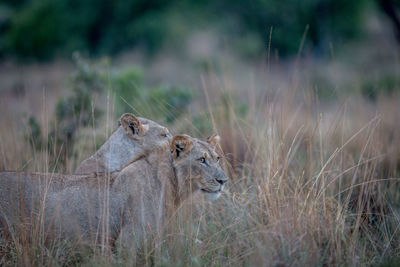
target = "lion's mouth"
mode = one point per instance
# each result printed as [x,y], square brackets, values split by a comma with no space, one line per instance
[210,194]
[210,191]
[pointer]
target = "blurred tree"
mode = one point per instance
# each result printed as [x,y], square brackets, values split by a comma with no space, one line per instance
[327,20]
[45,28]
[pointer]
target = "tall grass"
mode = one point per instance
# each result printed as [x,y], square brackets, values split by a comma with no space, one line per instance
[311,183]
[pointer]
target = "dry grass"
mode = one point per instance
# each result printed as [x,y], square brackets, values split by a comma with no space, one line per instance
[312,183]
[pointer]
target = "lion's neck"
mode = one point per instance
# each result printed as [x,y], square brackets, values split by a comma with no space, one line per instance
[175,188]
[118,150]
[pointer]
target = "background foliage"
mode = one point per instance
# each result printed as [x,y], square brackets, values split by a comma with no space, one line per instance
[42,29]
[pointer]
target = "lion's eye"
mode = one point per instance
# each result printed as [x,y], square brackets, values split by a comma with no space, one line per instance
[202,160]
[163,135]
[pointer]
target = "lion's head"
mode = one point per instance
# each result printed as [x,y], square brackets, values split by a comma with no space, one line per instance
[199,163]
[147,133]
[135,137]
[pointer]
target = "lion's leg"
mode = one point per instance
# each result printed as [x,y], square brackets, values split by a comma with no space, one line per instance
[129,243]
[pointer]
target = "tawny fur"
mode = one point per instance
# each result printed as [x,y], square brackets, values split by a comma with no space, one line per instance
[133,139]
[135,207]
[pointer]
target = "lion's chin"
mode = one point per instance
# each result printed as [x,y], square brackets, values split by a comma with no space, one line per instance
[212,195]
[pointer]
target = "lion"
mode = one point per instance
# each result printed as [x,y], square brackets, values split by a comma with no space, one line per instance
[134,137]
[155,186]
[143,196]
[23,195]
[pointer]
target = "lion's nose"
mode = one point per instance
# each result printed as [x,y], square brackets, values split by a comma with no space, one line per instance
[221,181]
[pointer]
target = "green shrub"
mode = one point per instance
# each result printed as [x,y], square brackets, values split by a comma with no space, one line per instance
[201,123]
[78,109]
[163,103]
[72,112]
[386,84]
[34,135]
[169,101]
[127,86]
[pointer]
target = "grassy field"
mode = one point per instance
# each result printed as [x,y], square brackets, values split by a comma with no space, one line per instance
[312,149]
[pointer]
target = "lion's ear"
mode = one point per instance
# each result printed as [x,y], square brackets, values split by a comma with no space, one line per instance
[214,140]
[180,144]
[132,125]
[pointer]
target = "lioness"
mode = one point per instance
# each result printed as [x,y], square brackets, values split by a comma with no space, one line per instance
[133,138]
[142,196]
[23,195]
